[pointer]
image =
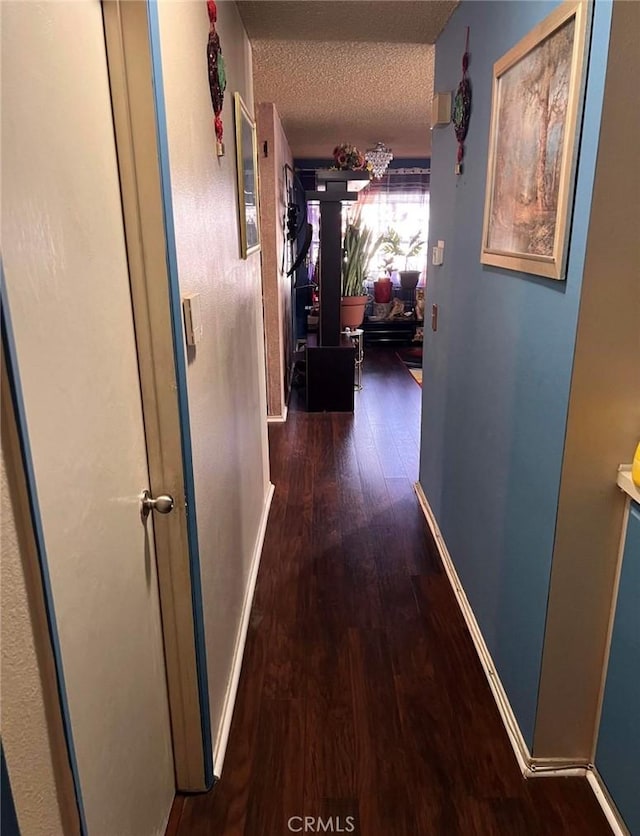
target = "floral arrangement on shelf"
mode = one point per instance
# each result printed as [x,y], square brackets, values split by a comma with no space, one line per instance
[348,158]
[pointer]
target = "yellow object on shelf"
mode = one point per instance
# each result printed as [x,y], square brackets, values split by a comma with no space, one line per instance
[635,468]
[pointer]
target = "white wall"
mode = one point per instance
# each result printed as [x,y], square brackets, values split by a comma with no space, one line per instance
[226,373]
[25,736]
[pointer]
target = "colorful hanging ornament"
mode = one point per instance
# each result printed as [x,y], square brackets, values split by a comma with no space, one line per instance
[462,107]
[217,75]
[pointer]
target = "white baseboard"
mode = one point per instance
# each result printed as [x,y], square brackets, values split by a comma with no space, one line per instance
[232,688]
[529,766]
[610,810]
[279,419]
[557,768]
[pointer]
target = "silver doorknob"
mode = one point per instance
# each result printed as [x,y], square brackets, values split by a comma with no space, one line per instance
[162,504]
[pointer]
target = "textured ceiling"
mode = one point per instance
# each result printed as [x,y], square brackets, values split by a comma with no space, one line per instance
[347,92]
[351,71]
[417,22]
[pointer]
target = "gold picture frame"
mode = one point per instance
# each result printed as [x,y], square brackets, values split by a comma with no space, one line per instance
[247,167]
[537,95]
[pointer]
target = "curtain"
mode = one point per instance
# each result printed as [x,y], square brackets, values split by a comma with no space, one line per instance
[398,201]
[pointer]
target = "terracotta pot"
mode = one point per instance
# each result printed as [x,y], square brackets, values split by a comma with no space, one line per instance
[382,290]
[352,311]
[409,279]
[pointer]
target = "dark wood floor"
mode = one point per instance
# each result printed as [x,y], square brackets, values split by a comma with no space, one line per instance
[361,694]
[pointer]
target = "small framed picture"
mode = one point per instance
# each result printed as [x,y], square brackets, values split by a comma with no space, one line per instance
[247,165]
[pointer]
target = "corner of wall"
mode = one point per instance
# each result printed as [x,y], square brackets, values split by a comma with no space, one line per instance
[603,416]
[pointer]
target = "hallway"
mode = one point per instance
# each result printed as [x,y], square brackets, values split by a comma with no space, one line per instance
[361,694]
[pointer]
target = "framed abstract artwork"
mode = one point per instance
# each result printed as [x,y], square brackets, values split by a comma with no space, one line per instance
[247,165]
[537,95]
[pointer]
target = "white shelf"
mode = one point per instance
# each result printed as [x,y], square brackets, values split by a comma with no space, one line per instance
[625,482]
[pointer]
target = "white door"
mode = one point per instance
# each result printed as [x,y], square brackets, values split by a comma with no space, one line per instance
[67,280]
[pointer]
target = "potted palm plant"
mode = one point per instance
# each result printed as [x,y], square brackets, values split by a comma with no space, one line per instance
[359,248]
[395,246]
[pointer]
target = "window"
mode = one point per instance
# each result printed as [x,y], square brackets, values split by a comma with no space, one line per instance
[400,202]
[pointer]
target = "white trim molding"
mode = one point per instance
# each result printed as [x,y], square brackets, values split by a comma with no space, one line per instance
[626,483]
[609,808]
[232,688]
[529,766]
[520,748]
[279,419]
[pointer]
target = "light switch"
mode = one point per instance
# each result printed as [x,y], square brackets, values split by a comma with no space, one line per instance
[440,109]
[192,318]
[437,255]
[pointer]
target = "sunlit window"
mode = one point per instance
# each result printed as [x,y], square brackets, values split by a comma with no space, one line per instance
[407,214]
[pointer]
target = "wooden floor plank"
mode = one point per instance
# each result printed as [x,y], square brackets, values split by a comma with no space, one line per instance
[329,729]
[361,696]
[277,787]
[174,816]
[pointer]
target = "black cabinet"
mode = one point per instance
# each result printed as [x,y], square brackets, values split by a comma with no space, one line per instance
[330,375]
[400,331]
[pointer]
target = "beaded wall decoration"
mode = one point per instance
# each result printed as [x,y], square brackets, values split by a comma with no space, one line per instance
[462,107]
[217,75]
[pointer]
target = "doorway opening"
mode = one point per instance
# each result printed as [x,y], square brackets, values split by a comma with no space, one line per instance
[394,211]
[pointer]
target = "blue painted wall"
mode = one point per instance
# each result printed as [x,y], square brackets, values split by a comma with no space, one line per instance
[619,736]
[497,372]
